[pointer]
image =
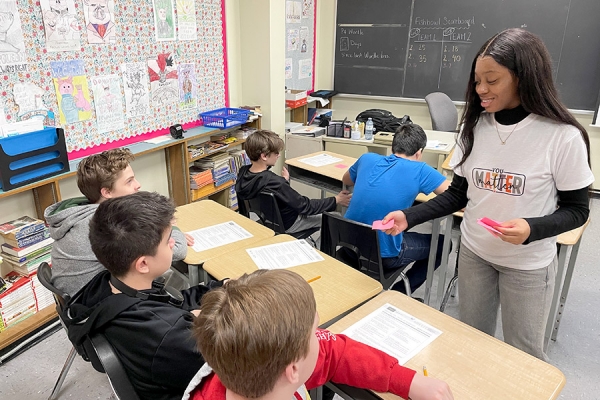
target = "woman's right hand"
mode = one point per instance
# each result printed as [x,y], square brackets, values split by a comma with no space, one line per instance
[400,223]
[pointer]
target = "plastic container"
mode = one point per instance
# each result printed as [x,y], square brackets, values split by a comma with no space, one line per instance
[355,135]
[32,156]
[224,117]
[369,129]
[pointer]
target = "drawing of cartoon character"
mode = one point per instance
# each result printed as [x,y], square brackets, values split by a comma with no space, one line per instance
[82,102]
[134,82]
[60,24]
[164,21]
[101,28]
[6,21]
[109,99]
[69,104]
[163,60]
[187,87]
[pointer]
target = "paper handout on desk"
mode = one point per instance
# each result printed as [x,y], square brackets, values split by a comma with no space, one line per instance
[218,235]
[320,160]
[284,255]
[394,332]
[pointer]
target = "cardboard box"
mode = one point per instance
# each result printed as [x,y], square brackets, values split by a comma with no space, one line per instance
[295,98]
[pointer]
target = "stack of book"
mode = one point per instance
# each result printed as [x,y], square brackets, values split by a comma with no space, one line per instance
[239,158]
[27,243]
[232,201]
[17,301]
[243,133]
[43,297]
[219,165]
[200,177]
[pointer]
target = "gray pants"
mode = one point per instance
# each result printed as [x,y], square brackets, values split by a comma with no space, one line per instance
[525,298]
[303,223]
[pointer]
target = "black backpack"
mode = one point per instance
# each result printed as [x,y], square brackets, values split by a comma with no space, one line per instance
[383,120]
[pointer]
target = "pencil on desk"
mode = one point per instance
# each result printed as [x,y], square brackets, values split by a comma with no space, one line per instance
[425,371]
[314,279]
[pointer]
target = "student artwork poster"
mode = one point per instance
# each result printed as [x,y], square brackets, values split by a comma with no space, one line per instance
[72,92]
[164,20]
[186,20]
[12,47]
[107,100]
[99,21]
[187,86]
[60,25]
[163,80]
[135,83]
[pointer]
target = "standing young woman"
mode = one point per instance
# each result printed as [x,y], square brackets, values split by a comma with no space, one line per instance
[521,159]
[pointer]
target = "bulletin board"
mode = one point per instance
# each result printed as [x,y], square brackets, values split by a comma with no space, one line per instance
[300,28]
[109,72]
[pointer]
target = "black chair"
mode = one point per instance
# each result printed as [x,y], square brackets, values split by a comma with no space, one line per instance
[267,210]
[95,348]
[357,245]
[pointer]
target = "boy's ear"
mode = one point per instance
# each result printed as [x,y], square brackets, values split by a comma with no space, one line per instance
[105,192]
[263,156]
[141,265]
[291,374]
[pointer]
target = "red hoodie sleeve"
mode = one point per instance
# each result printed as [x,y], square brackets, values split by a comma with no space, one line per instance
[346,361]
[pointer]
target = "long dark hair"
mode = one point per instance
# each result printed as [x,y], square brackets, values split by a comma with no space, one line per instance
[526,57]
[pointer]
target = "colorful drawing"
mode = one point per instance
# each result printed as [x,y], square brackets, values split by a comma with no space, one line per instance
[99,19]
[72,91]
[60,25]
[164,20]
[187,86]
[186,20]
[163,79]
[107,100]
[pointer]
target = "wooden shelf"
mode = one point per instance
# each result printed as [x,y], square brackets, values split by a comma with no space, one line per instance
[209,190]
[229,146]
[23,328]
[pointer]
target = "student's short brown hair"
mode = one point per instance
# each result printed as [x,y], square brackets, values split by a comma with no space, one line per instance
[252,328]
[263,142]
[101,171]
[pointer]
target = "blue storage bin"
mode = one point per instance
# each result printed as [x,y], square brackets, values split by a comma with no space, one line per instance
[224,117]
[31,157]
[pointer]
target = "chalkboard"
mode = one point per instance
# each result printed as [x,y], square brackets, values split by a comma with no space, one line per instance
[410,48]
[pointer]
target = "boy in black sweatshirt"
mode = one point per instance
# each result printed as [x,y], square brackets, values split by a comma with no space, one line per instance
[298,212]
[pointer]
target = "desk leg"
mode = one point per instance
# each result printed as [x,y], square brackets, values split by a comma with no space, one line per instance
[193,273]
[565,289]
[435,236]
[562,257]
[441,159]
[445,255]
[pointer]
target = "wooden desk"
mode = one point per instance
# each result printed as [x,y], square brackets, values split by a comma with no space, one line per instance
[475,365]
[566,240]
[339,290]
[327,177]
[205,213]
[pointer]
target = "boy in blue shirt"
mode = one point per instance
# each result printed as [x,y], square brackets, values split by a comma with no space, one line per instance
[384,183]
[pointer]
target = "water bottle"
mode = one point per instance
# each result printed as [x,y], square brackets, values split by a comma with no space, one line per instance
[369,129]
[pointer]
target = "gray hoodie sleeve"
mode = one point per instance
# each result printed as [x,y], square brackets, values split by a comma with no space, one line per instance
[180,248]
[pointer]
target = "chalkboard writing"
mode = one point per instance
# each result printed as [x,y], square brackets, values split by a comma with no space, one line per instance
[410,48]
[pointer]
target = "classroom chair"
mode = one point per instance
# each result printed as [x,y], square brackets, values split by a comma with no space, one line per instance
[266,209]
[95,348]
[357,245]
[443,112]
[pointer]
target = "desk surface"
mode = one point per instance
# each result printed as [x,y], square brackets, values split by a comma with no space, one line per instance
[339,289]
[335,171]
[206,213]
[475,365]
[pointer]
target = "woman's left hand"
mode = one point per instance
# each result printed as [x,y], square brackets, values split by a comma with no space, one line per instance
[514,231]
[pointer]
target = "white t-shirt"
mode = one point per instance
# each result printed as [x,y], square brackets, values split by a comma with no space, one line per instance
[519,180]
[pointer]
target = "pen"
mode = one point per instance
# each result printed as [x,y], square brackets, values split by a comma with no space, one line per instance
[314,279]
[425,371]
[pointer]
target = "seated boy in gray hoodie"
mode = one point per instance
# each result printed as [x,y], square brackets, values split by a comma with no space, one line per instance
[99,177]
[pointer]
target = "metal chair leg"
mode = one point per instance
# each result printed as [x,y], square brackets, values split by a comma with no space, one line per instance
[63,374]
[451,287]
[406,284]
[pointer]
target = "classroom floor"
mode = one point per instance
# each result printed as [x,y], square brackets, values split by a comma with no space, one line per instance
[32,374]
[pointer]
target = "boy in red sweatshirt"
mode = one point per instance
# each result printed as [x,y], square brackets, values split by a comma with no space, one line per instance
[259,336]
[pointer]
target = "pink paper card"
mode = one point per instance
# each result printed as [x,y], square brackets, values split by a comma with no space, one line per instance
[489,225]
[378,225]
[341,166]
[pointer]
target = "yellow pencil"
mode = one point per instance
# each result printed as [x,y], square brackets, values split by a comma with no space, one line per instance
[425,371]
[314,279]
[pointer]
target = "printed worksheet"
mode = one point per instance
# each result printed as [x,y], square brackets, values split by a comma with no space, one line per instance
[218,235]
[320,160]
[284,255]
[394,332]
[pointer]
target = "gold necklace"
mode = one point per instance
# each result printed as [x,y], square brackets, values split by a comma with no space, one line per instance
[498,132]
